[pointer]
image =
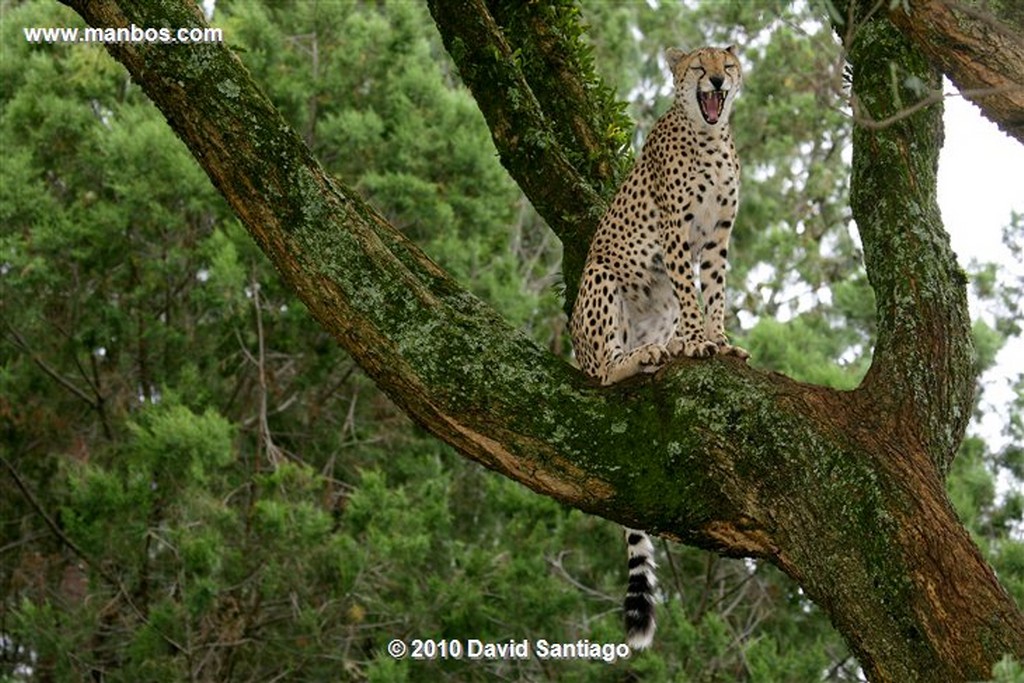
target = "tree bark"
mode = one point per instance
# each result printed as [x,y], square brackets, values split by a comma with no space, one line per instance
[922,371]
[842,490]
[980,46]
[557,128]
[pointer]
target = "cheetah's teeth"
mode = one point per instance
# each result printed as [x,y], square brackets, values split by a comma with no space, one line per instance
[711,104]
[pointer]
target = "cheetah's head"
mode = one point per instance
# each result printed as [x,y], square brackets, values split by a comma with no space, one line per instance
[706,81]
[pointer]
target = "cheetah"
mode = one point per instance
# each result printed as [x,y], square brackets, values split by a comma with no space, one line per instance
[637,305]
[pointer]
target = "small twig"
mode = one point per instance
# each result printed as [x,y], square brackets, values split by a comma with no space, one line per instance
[274,454]
[350,418]
[676,578]
[863,119]
[556,564]
[20,342]
[709,572]
[834,670]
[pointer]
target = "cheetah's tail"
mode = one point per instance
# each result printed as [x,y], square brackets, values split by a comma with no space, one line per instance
[639,604]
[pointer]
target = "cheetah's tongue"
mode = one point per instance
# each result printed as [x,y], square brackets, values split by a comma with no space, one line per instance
[711,104]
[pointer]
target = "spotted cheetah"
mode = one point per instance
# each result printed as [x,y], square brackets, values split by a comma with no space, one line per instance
[637,305]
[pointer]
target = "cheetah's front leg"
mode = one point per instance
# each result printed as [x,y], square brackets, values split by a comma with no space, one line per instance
[690,338]
[714,258]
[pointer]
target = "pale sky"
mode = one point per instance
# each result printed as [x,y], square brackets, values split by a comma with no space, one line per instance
[981,179]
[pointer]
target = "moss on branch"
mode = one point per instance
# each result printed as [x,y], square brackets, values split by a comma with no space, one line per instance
[922,373]
[559,130]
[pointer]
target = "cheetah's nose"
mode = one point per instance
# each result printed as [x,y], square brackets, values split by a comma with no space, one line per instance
[717,81]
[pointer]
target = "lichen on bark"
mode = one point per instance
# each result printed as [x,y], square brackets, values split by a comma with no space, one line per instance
[922,369]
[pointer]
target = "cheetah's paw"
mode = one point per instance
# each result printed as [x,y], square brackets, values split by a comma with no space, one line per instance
[727,349]
[651,357]
[730,350]
[642,360]
[692,348]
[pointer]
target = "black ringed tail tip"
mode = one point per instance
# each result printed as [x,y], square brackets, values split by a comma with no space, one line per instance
[639,603]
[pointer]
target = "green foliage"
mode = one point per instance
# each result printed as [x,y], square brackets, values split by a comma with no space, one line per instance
[805,348]
[1007,670]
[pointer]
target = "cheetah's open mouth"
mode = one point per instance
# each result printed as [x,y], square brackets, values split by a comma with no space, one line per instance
[711,104]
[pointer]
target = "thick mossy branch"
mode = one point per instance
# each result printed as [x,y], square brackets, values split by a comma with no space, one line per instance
[559,131]
[585,115]
[522,131]
[980,46]
[922,373]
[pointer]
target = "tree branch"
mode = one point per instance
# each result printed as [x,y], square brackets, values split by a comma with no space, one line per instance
[559,131]
[980,52]
[583,112]
[17,340]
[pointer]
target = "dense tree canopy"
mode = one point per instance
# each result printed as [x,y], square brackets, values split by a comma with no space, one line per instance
[203,485]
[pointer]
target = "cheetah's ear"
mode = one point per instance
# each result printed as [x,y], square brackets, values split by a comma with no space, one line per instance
[674,55]
[731,50]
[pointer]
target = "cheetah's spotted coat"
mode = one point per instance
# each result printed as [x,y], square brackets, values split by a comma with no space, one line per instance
[638,301]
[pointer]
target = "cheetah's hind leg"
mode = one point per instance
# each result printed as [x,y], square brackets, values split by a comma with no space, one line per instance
[646,358]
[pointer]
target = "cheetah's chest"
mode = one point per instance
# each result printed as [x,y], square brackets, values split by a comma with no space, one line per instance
[701,181]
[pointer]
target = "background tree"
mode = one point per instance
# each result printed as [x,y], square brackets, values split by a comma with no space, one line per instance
[241,566]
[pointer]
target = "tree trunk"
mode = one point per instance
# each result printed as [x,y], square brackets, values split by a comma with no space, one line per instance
[842,490]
